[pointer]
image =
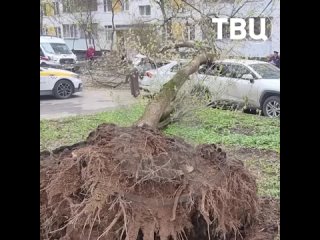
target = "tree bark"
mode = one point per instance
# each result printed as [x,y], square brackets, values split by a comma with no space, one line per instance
[113,30]
[189,44]
[113,26]
[160,103]
[164,15]
[178,45]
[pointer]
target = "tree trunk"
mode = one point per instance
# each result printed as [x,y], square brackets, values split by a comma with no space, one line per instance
[113,31]
[164,15]
[161,102]
[113,26]
[134,83]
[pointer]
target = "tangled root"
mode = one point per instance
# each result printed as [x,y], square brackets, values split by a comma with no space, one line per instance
[134,183]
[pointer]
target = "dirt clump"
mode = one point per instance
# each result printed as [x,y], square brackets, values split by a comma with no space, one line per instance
[267,226]
[134,183]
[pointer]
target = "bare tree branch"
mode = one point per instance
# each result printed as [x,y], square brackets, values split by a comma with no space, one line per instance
[113,26]
[238,9]
[196,9]
[178,45]
[266,7]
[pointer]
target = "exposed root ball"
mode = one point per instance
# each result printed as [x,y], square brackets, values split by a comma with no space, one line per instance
[134,183]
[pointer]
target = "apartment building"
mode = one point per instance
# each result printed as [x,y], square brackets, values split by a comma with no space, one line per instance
[69,19]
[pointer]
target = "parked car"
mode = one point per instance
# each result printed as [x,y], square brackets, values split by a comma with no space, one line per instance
[143,63]
[55,53]
[253,83]
[154,78]
[59,83]
[136,60]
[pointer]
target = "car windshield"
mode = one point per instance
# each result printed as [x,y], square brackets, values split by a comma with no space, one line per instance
[57,48]
[266,70]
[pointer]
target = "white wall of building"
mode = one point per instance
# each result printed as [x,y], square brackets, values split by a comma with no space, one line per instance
[247,48]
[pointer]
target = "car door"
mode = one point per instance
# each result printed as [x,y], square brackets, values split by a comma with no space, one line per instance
[167,72]
[42,81]
[242,88]
[217,78]
[154,79]
[163,74]
[170,71]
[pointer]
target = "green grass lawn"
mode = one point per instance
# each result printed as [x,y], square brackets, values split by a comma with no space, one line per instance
[231,129]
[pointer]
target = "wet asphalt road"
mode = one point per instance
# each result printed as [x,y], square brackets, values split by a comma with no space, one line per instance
[87,102]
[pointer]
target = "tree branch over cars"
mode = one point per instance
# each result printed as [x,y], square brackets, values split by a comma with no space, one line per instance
[154,111]
[143,38]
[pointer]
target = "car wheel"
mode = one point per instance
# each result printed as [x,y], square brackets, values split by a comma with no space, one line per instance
[271,107]
[63,89]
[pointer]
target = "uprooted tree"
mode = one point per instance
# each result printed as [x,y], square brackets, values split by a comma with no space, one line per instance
[135,183]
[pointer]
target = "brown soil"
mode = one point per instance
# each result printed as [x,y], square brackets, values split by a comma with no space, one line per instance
[267,226]
[134,183]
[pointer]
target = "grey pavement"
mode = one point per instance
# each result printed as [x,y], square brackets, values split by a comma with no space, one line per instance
[88,102]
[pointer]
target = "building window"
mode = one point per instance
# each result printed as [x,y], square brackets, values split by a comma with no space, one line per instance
[212,29]
[82,31]
[104,5]
[70,6]
[125,5]
[48,9]
[58,31]
[56,9]
[208,30]
[190,32]
[70,31]
[87,31]
[50,30]
[66,6]
[44,9]
[107,5]
[257,27]
[145,10]
[108,33]
[93,5]
[44,31]
[225,30]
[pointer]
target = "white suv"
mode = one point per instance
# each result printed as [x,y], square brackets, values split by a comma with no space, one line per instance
[254,83]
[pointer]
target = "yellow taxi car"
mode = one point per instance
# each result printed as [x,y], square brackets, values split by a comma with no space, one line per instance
[59,83]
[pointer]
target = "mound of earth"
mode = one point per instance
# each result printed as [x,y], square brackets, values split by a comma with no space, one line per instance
[134,183]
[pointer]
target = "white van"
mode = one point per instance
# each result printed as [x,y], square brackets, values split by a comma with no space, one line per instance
[54,52]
